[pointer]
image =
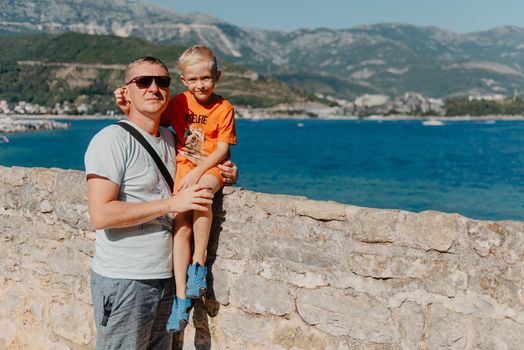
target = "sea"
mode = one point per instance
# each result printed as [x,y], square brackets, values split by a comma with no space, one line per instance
[475,168]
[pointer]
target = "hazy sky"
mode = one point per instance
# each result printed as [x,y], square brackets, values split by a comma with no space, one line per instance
[456,15]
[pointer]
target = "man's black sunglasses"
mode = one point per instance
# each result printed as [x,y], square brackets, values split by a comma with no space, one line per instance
[144,81]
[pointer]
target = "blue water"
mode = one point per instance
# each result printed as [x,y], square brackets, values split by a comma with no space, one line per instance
[472,168]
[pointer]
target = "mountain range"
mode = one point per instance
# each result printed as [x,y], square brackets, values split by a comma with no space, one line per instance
[49,69]
[386,59]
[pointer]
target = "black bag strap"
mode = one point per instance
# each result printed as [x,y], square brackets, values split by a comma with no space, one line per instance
[159,163]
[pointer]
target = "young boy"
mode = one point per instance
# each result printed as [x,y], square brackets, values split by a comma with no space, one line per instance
[204,125]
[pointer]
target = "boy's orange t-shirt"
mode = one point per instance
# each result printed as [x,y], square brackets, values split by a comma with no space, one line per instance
[200,127]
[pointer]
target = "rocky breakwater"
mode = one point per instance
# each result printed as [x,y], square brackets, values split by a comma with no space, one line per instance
[9,124]
[285,273]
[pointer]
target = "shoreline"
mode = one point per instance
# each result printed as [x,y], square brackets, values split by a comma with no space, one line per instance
[59,116]
[10,125]
[391,118]
[284,117]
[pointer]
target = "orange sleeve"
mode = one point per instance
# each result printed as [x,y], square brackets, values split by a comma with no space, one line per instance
[226,128]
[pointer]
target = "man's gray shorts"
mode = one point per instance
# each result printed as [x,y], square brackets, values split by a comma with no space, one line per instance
[131,314]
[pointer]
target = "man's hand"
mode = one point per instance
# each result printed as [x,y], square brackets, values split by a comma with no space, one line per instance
[229,171]
[194,197]
[108,212]
[121,101]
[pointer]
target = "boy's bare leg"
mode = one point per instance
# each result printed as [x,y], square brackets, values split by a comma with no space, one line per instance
[182,251]
[202,222]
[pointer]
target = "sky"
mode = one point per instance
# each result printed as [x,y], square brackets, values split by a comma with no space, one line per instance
[461,16]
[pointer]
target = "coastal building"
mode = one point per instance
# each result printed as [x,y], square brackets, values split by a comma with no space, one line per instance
[371,101]
[494,97]
[4,107]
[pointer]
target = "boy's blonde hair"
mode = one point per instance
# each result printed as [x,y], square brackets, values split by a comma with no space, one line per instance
[198,53]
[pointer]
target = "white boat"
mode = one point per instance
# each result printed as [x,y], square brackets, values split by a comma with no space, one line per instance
[433,122]
[300,125]
[3,139]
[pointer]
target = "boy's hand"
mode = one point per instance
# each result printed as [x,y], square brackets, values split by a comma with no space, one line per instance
[229,169]
[190,179]
[192,156]
[120,99]
[192,198]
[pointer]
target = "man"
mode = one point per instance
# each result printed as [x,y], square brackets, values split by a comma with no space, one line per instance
[131,207]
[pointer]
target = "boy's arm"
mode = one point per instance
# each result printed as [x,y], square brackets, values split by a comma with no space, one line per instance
[213,159]
[228,169]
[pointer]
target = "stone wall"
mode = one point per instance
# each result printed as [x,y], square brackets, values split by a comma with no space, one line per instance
[286,273]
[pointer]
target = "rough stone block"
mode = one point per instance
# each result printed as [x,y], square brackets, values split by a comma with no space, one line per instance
[443,330]
[296,251]
[375,226]
[410,319]
[388,266]
[244,330]
[9,198]
[321,210]
[69,214]
[259,295]
[65,260]
[28,199]
[65,181]
[292,333]
[42,178]
[295,274]
[449,282]
[83,245]
[486,236]
[493,335]
[70,321]
[220,287]
[512,251]
[276,204]
[335,313]
[14,176]
[431,230]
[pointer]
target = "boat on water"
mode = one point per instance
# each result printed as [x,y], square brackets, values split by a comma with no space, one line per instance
[433,122]
[3,139]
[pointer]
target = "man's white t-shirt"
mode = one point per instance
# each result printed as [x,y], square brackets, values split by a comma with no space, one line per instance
[143,251]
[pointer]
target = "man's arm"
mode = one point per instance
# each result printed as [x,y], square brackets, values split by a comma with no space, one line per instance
[108,212]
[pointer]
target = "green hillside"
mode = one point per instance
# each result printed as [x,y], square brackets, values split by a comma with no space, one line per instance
[80,68]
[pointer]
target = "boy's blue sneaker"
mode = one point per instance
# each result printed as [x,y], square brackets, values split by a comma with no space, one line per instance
[179,315]
[196,281]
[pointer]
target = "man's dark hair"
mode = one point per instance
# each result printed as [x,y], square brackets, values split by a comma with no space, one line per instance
[146,59]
